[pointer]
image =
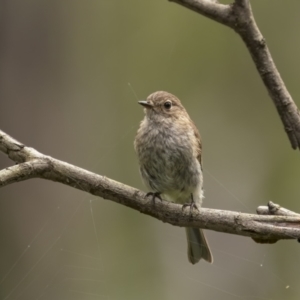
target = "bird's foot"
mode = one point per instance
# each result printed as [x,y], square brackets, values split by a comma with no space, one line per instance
[154,195]
[191,204]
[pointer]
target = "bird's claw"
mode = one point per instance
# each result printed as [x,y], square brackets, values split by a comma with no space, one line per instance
[154,195]
[191,204]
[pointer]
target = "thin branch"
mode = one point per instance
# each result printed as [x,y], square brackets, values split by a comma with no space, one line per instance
[33,164]
[276,210]
[239,17]
[213,10]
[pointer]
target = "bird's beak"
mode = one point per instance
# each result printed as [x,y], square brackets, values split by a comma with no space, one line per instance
[145,103]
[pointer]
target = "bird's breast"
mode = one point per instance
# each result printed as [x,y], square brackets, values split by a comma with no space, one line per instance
[168,163]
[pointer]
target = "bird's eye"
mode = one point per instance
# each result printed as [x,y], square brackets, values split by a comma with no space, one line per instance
[168,104]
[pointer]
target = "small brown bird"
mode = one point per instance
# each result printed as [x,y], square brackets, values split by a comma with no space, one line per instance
[169,150]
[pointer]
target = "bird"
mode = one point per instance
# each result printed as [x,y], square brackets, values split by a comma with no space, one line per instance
[169,150]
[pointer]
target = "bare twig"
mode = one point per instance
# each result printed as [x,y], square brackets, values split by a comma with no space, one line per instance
[239,17]
[33,164]
[275,210]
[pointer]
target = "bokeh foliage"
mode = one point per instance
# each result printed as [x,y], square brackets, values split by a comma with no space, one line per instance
[70,73]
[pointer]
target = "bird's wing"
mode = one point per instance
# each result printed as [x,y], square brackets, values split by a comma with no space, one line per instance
[199,143]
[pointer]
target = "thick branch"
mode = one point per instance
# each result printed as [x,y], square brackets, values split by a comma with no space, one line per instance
[239,17]
[33,164]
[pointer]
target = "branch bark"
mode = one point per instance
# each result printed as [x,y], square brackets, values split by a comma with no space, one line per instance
[33,164]
[239,17]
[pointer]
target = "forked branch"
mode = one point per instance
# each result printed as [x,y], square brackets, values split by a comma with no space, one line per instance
[33,164]
[239,17]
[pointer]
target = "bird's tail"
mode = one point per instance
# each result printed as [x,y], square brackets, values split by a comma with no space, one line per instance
[197,245]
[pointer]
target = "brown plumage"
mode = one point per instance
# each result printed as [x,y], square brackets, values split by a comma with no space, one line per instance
[169,150]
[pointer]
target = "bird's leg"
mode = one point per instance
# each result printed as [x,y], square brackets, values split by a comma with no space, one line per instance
[191,204]
[154,195]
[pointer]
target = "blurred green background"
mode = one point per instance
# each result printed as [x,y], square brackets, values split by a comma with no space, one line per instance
[71,73]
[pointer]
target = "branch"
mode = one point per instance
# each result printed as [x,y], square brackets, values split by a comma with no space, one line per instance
[275,209]
[33,164]
[239,17]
